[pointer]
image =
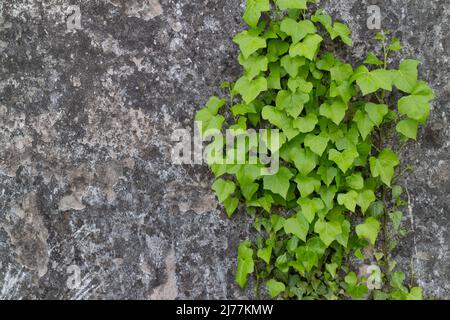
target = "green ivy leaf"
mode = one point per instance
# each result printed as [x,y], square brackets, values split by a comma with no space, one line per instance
[214,104]
[397,280]
[364,124]
[422,89]
[405,78]
[338,30]
[357,291]
[344,159]
[292,64]
[265,254]
[396,191]
[415,294]
[304,159]
[292,102]
[373,60]
[306,124]
[276,117]
[351,278]
[359,255]
[331,268]
[246,173]
[416,107]
[214,123]
[249,190]
[395,45]
[264,202]
[297,30]
[223,189]
[371,81]
[279,183]
[317,144]
[369,230]
[341,72]
[353,289]
[345,90]
[218,169]
[376,112]
[291,4]
[297,226]
[327,174]
[326,21]
[343,237]
[306,258]
[384,165]
[327,195]
[245,263]
[396,218]
[343,32]
[249,43]
[365,199]
[348,200]
[242,109]
[254,65]
[335,111]
[275,287]
[376,209]
[277,222]
[327,62]
[408,128]
[308,255]
[276,48]
[301,84]
[310,207]
[355,181]
[250,89]
[208,116]
[240,127]
[274,78]
[231,205]
[307,48]
[307,185]
[253,11]
[328,231]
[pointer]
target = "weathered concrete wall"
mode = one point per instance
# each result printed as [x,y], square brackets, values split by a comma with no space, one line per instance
[87,186]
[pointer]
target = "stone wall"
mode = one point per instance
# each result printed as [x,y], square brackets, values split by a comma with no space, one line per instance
[91,206]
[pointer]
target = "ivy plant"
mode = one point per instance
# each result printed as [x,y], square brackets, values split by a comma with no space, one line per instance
[335,198]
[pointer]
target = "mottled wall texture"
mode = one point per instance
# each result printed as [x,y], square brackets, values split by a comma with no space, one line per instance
[91,206]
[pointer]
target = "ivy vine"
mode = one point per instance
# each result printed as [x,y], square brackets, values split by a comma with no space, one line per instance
[335,198]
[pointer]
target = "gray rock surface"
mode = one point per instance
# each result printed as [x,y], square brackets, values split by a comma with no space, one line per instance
[91,205]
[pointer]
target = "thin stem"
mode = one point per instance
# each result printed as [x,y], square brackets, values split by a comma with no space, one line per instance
[277,13]
[385,214]
[403,146]
[257,281]
[399,175]
[385,233]
[411,284]
[385,54]
[257,285]
[380,99]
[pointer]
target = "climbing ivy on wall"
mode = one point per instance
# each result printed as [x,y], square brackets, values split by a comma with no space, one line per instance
[335,198]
